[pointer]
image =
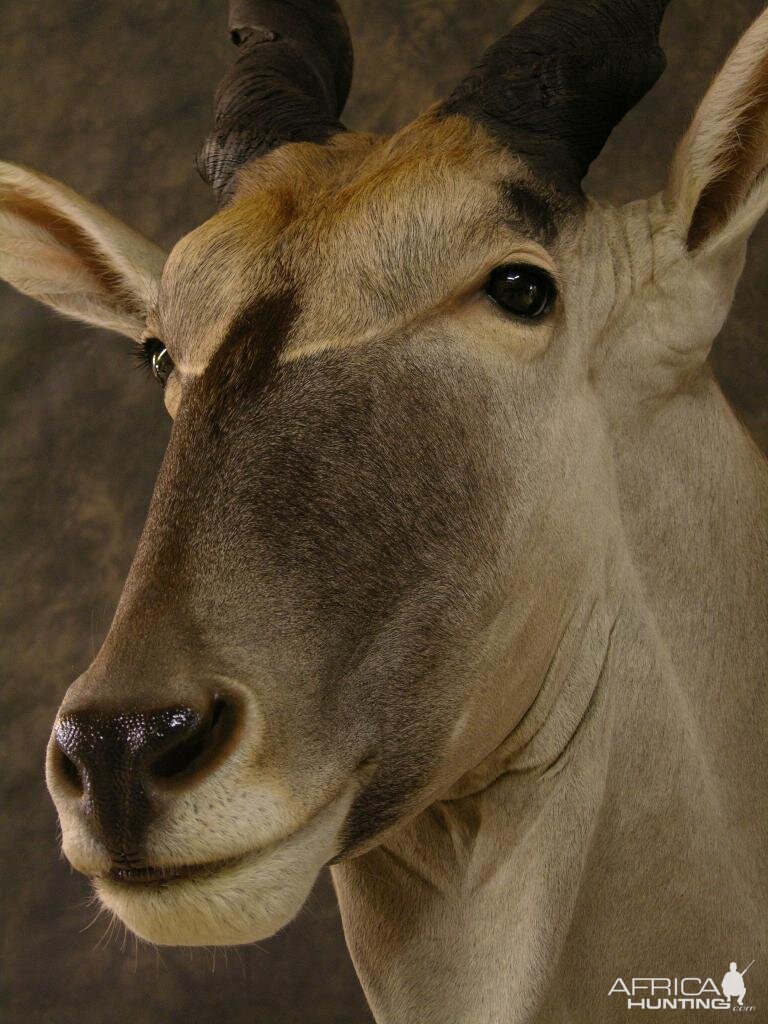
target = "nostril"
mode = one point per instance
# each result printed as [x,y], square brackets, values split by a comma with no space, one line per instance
[65,765]
[105,756]
[196,750]
[68,771]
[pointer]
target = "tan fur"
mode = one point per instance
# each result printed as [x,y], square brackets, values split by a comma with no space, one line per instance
[392,231]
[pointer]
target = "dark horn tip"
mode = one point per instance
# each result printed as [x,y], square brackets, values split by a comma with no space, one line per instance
[290,91]
[252,33]
[556,85]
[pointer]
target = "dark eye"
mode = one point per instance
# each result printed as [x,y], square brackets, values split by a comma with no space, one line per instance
[522,290]
[155,356]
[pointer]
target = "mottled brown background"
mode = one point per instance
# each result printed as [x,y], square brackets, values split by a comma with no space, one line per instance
[113,98]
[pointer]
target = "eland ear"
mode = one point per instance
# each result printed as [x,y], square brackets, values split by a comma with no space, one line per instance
[74,256]
[718,187]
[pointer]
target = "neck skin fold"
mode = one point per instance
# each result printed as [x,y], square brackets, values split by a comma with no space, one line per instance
[616,831]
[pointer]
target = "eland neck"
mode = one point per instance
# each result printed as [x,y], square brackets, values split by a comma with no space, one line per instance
[479,909]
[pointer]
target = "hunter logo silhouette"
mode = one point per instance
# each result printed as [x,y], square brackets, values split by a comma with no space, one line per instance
[733,983]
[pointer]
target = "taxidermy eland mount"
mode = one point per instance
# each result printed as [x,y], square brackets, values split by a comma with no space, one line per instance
[454,576]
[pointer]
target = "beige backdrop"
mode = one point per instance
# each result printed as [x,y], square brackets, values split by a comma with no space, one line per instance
[113,98]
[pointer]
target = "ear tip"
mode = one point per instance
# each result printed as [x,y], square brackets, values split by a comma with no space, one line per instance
[27,180]
[11,171]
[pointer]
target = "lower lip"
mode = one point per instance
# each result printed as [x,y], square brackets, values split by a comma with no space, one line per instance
[158,876]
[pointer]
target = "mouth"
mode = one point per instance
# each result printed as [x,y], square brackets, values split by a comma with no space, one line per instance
[227,901]
[156,878]
[148,878]
[159,876]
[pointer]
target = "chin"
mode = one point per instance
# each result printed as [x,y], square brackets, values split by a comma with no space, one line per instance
[231,902]
[240,903]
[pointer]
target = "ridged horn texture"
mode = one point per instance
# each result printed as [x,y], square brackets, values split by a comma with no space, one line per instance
[289,84]
[557,84]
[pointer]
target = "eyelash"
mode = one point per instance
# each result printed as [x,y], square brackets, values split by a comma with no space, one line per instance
[143,357]
[152,354]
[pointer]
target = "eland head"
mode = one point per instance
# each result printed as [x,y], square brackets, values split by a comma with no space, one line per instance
[392,366]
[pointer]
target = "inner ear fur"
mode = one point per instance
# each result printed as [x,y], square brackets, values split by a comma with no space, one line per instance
[72,255]
[717,185]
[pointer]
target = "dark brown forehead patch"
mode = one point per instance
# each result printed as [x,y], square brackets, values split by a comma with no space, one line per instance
[530,212]
[246,358]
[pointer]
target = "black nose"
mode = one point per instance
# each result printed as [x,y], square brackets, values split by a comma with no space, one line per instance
[118,763]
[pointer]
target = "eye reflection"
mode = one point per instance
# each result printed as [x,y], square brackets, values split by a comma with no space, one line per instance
[525,291]
[154,355]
